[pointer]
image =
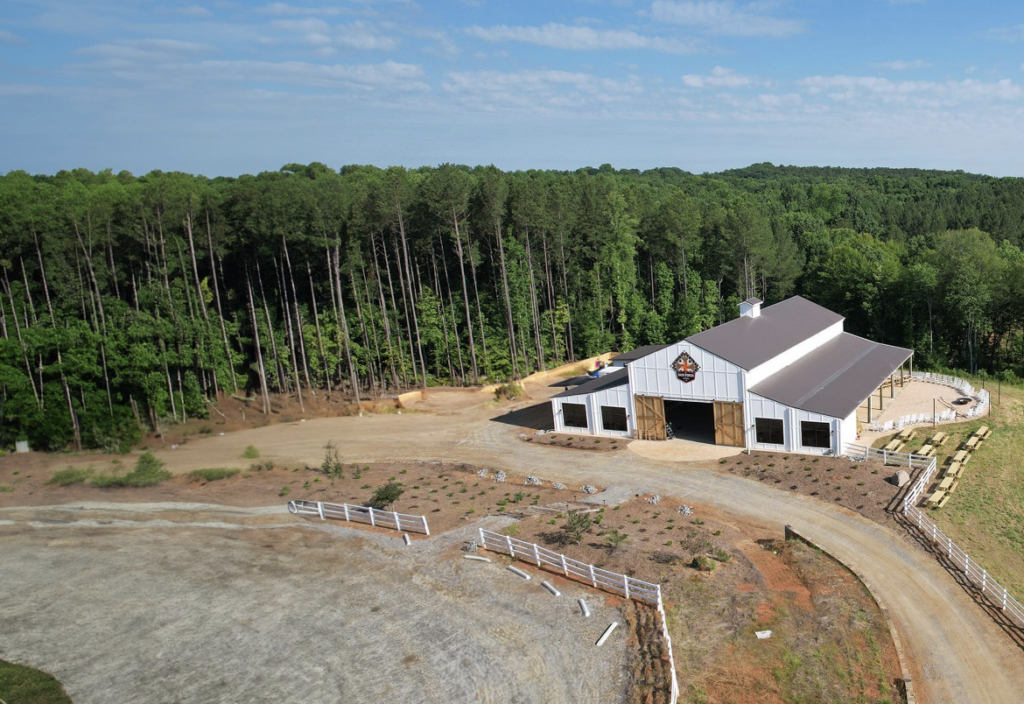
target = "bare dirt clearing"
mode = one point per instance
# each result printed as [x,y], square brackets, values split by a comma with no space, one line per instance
[198,605]
[957,652]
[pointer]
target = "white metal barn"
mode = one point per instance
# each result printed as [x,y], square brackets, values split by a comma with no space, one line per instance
[783,378]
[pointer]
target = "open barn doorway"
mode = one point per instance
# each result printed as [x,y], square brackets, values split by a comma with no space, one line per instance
[690,420]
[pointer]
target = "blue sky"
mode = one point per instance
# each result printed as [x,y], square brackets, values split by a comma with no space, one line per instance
[223,87]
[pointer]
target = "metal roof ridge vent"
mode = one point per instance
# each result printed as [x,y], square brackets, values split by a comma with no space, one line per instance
[751,308]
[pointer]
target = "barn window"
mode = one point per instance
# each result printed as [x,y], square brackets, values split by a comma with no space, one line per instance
[574,415]
[816,434]
[613,418]
[769,431]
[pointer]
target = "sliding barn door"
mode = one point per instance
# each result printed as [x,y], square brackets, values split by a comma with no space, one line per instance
[650,417]
[729,424]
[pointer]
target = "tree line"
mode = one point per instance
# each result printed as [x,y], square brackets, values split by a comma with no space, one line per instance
[130,302]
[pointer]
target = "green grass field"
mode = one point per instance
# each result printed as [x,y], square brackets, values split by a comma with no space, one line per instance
[986,514]
[26,685]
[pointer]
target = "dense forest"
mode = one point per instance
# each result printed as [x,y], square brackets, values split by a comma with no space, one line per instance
[130,302]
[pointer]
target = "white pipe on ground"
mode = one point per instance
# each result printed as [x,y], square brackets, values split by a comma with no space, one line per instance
[583,608]
[476,557]
[518,571]
[607,632]
[554,592]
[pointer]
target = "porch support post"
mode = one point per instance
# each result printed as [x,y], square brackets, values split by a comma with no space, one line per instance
[869,407]
[892,385]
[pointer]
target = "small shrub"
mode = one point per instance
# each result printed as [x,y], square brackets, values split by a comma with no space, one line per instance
[512,529]
[69,476]
[615,539]
[211,475]
[718,532]
[384,496]
[284,491]
[331,466]
[5,488]
[702,563]
[576,524]
[508,392]
[668,543]
[251,452]
[148,471]
[722,555]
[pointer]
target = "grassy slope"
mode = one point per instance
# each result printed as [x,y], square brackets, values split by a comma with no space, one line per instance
[986,514]
[25,685]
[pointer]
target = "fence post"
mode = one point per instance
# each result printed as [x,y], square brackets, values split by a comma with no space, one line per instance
[949,548]
[426,528]
[483,540]
[593,579]
[320,509]
[1004,600]
[934,529]
[919,520]
[625,584]
[346,512]
[373,521]
[967,563]
[508,543]
[565,567]
[398,524]
[984,580]
[885,456]
[536,554]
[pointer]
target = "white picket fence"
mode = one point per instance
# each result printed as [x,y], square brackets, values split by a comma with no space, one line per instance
[361,514]
[995,592]
[621,584]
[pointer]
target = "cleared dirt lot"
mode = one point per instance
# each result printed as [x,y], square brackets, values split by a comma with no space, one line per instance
[143,604]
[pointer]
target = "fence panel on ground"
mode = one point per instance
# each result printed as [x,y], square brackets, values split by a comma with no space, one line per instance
[613,582]
[361,514]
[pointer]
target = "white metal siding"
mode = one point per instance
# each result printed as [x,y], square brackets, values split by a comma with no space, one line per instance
[800,416]
[849,430]
[761,407]
[763,371]
[717,379]
[616,396]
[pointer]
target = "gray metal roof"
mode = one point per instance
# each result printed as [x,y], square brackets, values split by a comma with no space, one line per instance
[835,378]
[750,342]
[753,301]
[639,352]
[608,381]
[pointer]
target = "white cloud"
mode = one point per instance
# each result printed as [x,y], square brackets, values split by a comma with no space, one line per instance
[725,18]
[916,93]
[900,65]
[561,36]
[719,77]
[188,11]
[9,37]
[1007,34]
[388,75]
[546,91]
[360,35]
[144,50]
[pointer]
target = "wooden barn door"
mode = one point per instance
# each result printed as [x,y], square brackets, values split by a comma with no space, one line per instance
[650,418]
[729,424]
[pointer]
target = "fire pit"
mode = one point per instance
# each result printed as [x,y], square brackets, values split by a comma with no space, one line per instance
[962,401]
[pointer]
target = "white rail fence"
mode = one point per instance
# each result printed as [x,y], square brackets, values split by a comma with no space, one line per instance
[621,584]
[361,514]
[979,577]
[904,459]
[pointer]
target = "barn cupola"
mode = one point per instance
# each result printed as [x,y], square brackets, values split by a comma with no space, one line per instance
[751,308]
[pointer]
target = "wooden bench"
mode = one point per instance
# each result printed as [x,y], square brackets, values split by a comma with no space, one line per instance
[972,443]
[934,498]
[961,456]
[906,435]
[952,487]
[983,432]
[944,501]
[939,439]
[926,451]
[953,469]
[946,483]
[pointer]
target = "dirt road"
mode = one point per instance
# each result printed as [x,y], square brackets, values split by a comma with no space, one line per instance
[198,603]
[958,653]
